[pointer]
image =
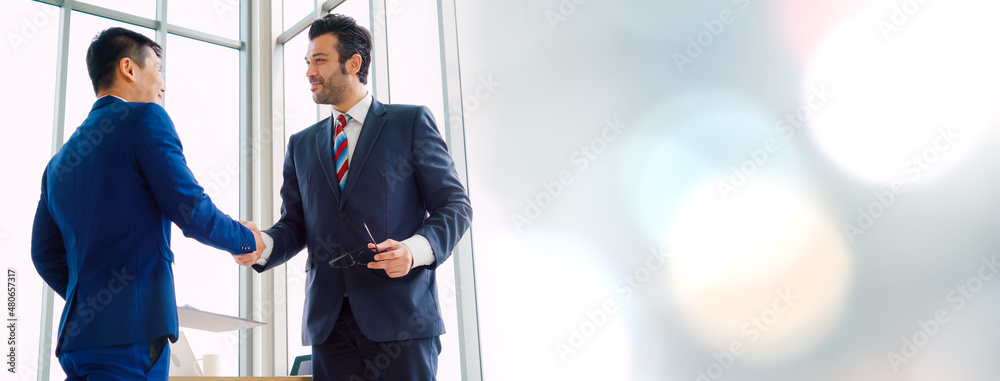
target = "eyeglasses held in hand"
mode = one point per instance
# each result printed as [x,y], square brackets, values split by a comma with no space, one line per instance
[359,257]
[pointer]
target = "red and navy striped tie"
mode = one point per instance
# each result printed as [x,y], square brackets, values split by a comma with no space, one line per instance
[340,150]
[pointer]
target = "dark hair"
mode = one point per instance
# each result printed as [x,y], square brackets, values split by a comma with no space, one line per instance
[351,39]
[107,50]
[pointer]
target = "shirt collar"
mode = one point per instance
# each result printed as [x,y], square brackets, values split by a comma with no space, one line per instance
[360,110]
[112,95]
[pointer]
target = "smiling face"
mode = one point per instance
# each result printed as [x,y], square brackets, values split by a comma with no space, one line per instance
[330,80]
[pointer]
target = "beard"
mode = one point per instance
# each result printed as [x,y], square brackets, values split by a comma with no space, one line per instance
[334,88]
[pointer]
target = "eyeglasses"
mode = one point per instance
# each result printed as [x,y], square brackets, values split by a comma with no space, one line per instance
[359,257]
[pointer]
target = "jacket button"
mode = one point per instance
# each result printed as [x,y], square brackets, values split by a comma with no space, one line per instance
[343,214]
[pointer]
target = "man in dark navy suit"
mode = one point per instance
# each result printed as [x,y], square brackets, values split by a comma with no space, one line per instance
[101,235]
[368,167]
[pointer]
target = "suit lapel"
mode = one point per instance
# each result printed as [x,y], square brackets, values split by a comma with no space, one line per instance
[370,131]
[324,146]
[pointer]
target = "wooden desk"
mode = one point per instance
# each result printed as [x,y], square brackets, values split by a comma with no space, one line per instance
[290,378]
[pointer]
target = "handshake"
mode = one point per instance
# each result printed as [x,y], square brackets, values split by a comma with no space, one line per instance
[250,259]
[394,257]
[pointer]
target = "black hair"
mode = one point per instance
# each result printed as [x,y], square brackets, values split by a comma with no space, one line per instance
[107,50]
[351,39]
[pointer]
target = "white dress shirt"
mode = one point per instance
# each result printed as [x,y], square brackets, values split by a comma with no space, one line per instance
[423,255]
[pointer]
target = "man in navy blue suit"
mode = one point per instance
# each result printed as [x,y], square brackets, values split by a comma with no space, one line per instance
[101,235]
[368,167]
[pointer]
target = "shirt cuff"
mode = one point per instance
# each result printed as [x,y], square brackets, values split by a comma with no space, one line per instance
[423,255]
[268,245]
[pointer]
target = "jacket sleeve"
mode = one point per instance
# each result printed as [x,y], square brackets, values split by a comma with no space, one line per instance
[448,205]
[48,251]
[161,160]
[289,233]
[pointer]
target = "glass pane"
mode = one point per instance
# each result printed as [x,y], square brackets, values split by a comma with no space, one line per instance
[218,17]
[80,95]
[143,8]
[30,47]
[415,78]
[300,112]
[295,10]
[415,55]
[205,108]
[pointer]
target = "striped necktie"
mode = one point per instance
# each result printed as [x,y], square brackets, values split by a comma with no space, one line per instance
[340,149]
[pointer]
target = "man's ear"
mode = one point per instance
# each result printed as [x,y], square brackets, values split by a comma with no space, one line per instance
[126,68]
[354,64]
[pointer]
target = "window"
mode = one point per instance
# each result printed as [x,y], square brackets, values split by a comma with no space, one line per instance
[294,11]
[415,78]
[142,8]
[202,98]
[300,113]
[31,31]
[218,17]
[202,74]
[204,56]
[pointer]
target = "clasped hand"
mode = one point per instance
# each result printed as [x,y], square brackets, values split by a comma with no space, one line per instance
[250,259]
[393,256]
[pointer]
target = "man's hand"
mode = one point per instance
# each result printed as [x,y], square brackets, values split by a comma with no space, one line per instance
[251,258]
[395,258]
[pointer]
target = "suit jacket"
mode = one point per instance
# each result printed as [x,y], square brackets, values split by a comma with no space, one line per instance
[101,235]
[401,181]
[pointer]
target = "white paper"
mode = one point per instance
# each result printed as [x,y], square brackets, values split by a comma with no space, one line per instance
[190,317]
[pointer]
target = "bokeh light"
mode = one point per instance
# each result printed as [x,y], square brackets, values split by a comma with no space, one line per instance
[768,270]
[898,88]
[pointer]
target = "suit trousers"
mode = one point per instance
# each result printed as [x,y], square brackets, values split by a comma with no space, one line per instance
[132,362]
[347,355]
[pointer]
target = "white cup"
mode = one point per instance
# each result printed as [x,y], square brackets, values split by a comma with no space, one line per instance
[211,365]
